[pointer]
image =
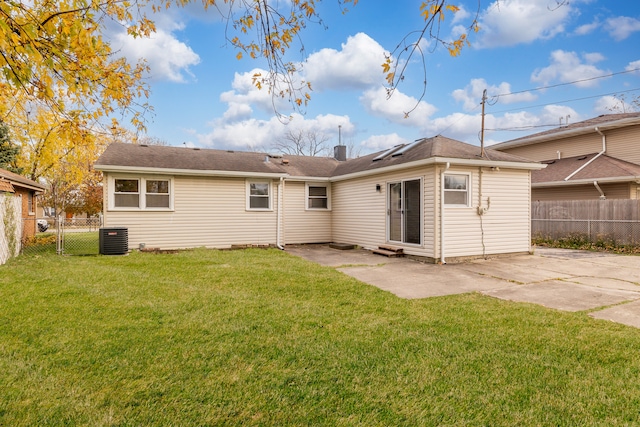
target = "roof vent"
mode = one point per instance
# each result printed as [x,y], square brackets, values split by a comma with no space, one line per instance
[285,161]
[196,148]
[582,157]
[143,145]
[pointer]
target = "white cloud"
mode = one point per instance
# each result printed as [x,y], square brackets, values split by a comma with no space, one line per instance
[635,65]
[605,105]
[622,27]
[395,108]
[358,65]
[511,22]
[244,94]
[471,95]
[585,29]
[567,67]
[167,57]
[260,135]
[383,142]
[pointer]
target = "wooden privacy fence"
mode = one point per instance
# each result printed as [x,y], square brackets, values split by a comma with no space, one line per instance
[616,221]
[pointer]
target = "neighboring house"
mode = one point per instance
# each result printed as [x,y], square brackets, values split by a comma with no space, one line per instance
[434,198]
[28,191]
[594,159]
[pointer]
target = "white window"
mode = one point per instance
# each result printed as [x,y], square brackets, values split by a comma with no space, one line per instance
[318,196]
[259,195]
[157,193]
[456,189]
[126,193]
[141,193]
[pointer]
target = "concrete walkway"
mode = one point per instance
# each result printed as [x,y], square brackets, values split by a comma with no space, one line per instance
[607,285]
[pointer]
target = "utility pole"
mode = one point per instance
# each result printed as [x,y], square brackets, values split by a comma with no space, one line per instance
[484,101]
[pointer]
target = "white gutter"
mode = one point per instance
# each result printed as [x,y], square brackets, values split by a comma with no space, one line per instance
[602,196]
[604,148]
[442,160]
[189,172]
[442,259]
[609,180]
[279,214]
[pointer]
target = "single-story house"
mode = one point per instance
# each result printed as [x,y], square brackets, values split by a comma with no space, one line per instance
[593,159]
[27,190]
[436,198]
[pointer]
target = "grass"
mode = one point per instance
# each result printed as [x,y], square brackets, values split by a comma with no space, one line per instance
[258,337]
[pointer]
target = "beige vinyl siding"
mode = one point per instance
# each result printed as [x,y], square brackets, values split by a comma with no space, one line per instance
[584,192]
[624,143]
[304,225]
[360,212]
[209,212]
[568,147]
[504,228]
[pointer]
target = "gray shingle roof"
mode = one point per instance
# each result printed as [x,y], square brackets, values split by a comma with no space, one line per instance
[189,159]
[602,167]
[583,127]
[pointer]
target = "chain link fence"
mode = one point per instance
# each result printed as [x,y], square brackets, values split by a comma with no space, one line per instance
[615,232]
[62,236]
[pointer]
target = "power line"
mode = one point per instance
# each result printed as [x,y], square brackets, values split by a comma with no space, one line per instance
[567,83]
[566,101]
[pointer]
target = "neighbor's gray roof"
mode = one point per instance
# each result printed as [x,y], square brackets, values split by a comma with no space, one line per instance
[603,122]
[119,156]
[602,168]
[20,181]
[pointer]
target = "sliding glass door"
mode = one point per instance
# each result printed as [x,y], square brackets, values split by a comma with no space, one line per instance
[404,211]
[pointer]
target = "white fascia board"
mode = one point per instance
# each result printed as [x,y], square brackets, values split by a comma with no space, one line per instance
[188,172]
[307,178]
[442,160]
[567,133]
[608,180]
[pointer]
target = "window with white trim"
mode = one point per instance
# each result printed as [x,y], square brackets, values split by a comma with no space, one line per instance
[141,193]
[318,196]
[456,190]
[126,193]
[259,195]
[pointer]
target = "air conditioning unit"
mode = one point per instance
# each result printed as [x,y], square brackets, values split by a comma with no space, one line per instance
[114,241]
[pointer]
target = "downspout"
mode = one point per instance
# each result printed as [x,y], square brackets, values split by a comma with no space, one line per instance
[602,196]
[604,148]
[442,246]
[280,213]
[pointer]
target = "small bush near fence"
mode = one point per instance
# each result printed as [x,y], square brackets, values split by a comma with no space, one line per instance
[584,242]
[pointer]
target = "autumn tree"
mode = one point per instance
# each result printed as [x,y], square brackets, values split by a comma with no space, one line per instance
[8,150]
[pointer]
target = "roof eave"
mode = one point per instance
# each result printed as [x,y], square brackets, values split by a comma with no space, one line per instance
[187,172]
[442,160]
[567,133]
[608,180]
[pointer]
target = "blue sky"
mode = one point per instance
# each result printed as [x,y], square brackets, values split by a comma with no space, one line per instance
[203,96]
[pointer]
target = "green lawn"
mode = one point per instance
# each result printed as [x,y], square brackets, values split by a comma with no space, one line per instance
[258,337]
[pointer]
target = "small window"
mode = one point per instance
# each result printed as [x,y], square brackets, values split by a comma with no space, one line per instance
[317,197]
[30,202]
[456,190]
[127,193]
[259,195]
[157,194]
